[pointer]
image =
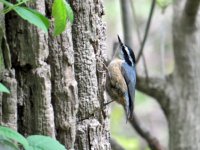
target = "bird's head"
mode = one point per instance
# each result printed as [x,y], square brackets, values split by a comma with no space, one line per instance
[128,54]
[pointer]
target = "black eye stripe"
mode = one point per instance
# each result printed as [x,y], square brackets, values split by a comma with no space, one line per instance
[128,56]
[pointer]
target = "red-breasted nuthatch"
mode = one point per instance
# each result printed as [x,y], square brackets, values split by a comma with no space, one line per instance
[121,79]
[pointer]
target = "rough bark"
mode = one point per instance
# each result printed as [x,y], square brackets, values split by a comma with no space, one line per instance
[88,39]
[29,51]
[8,103]
[46,94]
[64,87]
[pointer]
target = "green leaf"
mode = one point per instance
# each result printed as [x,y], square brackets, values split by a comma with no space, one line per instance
[10,6]
[44,143]
[6,3]
[59,12]
[4,89]
[34,17]
[163,3]
[11,134]
[7,144]
[70,13]
[42,17]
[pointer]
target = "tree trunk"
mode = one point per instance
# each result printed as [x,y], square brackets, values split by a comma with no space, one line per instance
[184,112]
[29,52]
[89,39]
[45,98]
[8,102]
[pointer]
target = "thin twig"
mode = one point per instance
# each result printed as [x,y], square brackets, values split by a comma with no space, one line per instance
[136,22]
[156,87]
[152,141]
[139,39]
[105,104]
[146,31]
[162,51]
[145,68]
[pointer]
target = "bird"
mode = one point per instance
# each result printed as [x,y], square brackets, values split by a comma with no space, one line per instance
[121,79]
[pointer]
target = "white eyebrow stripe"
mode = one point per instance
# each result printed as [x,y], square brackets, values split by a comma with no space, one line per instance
[129,56]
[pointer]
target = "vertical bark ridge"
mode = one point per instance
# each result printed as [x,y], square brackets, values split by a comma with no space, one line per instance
[29,51]
[88,38]
[64,87]
[8,103]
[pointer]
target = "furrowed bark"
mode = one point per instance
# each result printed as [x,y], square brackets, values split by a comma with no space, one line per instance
[29,51]
[8,103]
[64,86]
[88,39]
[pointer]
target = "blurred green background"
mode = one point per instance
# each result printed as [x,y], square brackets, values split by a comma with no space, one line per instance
[159,58]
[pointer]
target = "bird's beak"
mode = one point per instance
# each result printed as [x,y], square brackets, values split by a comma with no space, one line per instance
[120,40]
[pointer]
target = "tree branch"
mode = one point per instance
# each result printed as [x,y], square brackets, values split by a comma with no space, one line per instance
[145,67]
[146,31]
[191,10]
[136,22]
[152,141]
[115,145]
[139,38]
[156,87]
[127,22]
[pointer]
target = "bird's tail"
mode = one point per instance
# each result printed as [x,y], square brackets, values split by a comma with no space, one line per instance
[128,106]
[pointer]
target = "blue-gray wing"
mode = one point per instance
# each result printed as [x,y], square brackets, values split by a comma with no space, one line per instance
[129,74]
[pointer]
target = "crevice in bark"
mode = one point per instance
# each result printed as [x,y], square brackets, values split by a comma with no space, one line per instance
[64,86]
[48,8]
[6,52]
[88,136]
[25,68]
[20,118]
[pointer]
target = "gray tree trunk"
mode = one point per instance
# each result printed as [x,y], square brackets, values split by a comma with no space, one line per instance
[89,39]
[29,52]
[184,112]
[8,103]
[45,98]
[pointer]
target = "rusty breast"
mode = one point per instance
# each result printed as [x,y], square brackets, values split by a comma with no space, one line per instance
[115,83]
